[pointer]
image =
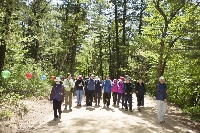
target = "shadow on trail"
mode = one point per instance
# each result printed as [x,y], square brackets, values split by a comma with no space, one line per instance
[54,123]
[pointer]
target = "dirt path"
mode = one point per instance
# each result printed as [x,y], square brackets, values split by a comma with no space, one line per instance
[112,120]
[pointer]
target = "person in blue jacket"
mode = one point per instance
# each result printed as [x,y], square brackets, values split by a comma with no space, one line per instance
[90,90]
[107,91]
[161,99]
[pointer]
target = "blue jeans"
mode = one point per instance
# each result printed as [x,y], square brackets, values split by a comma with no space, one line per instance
[79,96]
[119,97]
[128,98]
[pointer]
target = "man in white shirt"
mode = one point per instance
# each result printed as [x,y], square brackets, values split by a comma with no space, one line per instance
[68,86]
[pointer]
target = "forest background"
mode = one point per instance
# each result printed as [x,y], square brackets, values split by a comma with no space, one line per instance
[140,38]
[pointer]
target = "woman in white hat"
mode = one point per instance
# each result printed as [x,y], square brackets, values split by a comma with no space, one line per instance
[57,95]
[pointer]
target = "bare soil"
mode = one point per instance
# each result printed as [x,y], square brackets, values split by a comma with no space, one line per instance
[39,118]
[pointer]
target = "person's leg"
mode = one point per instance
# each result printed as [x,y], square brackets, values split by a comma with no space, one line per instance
[115,98]
[70,99]
[59,108]
[92,96]
[118,100]
[130,102]
[104,98]
[87,98]
[66,99]
[77,96]
[159,109]
[142,104]
[126,100]
[164,110]
[109,97]
[123,100]
[95,97]
[98,97]
[55,108]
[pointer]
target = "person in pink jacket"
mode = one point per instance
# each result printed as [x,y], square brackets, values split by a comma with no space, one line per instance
[114,90]
[120,91]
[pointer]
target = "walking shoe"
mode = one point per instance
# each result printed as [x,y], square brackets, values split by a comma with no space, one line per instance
[70,109]
[66,108]
[139,109]
[131,110]
[160,122]
[59,116]
[87,107]
[107,106]
[126,109]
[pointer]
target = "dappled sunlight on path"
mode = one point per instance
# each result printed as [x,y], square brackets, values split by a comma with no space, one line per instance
[112,120]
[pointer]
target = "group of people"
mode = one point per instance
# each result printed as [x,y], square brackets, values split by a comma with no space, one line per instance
[120,89]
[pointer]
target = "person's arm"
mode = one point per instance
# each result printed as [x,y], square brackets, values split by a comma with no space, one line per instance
[52,93]
[63,93]
[64,83]
[165,95]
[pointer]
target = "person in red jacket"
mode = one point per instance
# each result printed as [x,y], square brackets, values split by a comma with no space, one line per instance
[57,95]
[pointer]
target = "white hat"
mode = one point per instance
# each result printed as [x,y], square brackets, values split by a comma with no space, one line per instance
[57,79]
[161,77]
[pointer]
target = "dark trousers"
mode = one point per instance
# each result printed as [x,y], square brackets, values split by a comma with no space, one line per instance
[119,97]
[106,98]
[140,100]
[89,97]
[128,98]
[57,106]
[114,97]
[97,97]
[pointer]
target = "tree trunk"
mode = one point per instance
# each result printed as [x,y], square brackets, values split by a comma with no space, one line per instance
[117,42]
[124,54]
[100,57]
[140,17]
[5,32]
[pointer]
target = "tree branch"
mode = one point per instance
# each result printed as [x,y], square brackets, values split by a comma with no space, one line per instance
[157,6]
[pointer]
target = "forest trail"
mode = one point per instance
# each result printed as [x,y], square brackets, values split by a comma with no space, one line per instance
[112,120]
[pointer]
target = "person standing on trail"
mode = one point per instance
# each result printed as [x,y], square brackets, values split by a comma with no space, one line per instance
[140,91]
[79,89]
[161,99]
[68,86]
[107,91]
[85,86]
[97,91]
[114,90]
[90,90]
[57,95]
[120,91]
[128,91]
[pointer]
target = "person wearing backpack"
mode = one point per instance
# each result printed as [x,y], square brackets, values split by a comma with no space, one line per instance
[90,91]
[68,87]
[161,99]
